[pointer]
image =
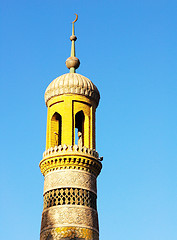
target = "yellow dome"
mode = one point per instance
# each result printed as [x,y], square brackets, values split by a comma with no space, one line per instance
[72,83]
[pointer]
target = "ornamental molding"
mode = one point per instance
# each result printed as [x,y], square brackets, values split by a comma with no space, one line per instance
[70,162]
[70,150]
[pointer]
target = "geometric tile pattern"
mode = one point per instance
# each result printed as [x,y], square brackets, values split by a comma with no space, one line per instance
[70,196]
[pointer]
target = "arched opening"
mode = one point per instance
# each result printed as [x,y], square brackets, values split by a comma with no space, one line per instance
[79,129]
[56,125]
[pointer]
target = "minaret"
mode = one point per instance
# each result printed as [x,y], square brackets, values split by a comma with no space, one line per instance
[70,163]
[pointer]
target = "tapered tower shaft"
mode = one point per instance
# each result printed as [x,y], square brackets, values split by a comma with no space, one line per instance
[70,163]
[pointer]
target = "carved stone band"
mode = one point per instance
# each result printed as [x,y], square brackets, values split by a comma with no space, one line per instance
[66,215]
[69,196]
[69,233]
[70,178]
[70,162]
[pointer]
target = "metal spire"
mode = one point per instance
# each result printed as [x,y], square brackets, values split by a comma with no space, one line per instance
[73,62]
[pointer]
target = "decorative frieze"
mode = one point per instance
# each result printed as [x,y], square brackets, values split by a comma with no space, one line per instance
[70,178]
[60,216]
[70,162]
[69,196]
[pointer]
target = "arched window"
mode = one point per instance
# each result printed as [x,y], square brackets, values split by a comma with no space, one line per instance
[79,129]
[56,125]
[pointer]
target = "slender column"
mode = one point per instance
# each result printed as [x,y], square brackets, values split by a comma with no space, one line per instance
[68,122]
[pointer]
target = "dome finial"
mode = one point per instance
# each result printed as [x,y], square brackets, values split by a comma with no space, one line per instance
[73,62]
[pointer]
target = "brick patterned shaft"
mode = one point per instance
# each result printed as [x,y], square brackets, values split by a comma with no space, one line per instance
[70,163]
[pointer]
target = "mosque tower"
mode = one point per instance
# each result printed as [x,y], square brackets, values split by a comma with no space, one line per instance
[70,163]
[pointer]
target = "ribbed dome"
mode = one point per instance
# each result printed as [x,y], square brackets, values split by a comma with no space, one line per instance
[72,83]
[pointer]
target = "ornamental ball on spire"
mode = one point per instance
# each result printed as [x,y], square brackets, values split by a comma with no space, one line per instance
[73,38]
[72,62]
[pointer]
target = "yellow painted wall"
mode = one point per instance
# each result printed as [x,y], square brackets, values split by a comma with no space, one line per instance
[67,106]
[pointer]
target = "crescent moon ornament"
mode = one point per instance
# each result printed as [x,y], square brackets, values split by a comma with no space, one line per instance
[76,18]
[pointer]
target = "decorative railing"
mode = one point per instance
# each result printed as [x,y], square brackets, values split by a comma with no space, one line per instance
[70,149]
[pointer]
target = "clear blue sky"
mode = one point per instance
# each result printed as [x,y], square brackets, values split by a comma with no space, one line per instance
[128,49]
